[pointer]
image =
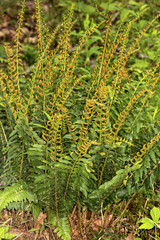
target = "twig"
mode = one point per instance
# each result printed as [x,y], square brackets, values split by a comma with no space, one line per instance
[117,219]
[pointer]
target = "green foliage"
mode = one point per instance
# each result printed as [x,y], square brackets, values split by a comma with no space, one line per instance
[15,193]
[147,223]
[63,229]
[4,234]
[73,133]
[104,190]
[29,55]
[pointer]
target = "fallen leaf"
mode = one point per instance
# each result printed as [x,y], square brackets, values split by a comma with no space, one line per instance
[98,222]
[108,220]
[44,234]
[130,236]
[5,215]
[31,40]
[46,8]
[40,220]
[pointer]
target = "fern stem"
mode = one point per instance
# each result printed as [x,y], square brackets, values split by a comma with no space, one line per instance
[105,161]
[4,133]
[48,211]
[65,193]
[56,199]
[18,43]
[21,165]
[79,216]
[126,206]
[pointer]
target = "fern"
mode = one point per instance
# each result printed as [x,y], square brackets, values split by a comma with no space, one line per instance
[63,229]
[72,134]
[15,193]
[109,188]
[4,234]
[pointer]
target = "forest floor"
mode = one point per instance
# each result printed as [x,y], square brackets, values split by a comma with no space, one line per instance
[107,226]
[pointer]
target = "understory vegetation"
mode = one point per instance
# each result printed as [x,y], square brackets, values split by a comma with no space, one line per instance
[79,127]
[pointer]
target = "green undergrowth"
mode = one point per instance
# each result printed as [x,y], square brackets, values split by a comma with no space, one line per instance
[73,133]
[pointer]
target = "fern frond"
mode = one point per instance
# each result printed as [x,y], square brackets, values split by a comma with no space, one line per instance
[16,193]
[4,234]
[19,65]
[63,229]
[104,191]
[13,94]
[145,149]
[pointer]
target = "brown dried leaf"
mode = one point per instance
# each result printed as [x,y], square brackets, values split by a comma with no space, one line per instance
[108,220]
[6,32]
[40,220]
[30,5]
[46,8]
[24,30]
[4,24]
[1,34]
[6,215]
[98,222]
[20,232]
[44,234]
[31,40]
[130,236]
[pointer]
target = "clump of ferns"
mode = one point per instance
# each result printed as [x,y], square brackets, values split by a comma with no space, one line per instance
[62,152]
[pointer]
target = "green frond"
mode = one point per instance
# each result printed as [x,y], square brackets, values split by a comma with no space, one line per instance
[4,234]
[106,189]
[16,193]
[63,229]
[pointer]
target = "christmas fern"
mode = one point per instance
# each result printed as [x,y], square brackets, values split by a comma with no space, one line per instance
[15,193]
[72,134]
[63,229]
